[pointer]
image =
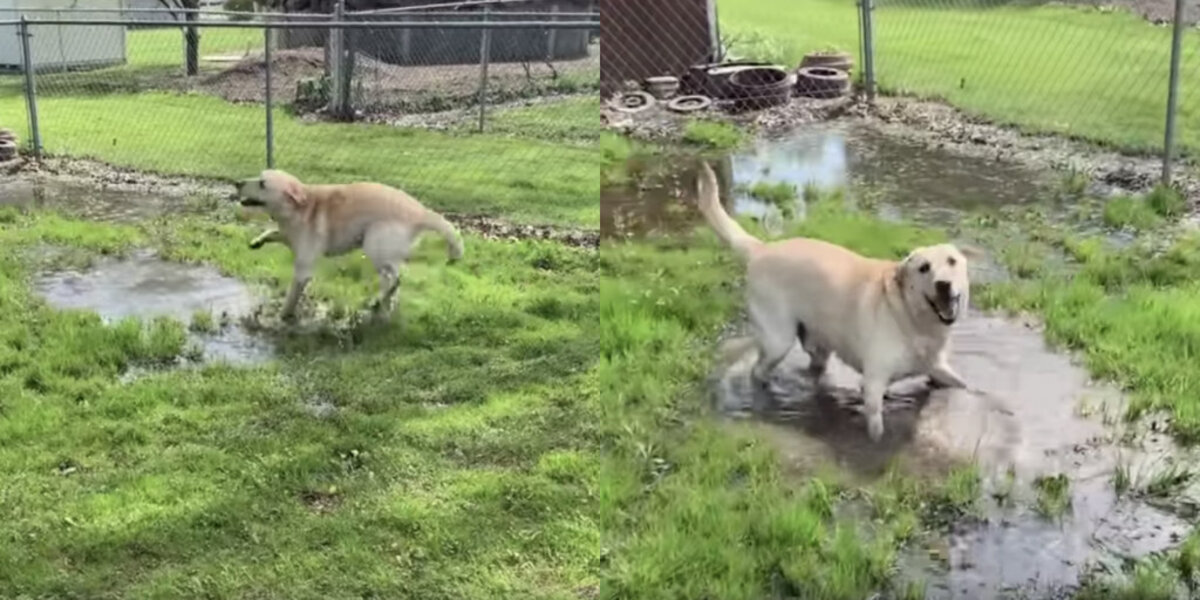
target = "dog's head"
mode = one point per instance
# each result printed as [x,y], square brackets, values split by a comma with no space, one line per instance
[272,189]
[934,281]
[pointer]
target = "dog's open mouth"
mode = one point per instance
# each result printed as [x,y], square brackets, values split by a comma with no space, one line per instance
[946,310]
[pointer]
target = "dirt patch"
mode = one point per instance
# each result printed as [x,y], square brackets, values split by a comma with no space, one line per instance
[1021,423]
[494,229]
[1159,12]
[321,502]
[946,127]
[381,87]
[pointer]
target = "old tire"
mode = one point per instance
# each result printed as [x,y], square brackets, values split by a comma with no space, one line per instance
[822,82]
[757,88]
[631,102]
[841,61]
[8,150]
[687,104]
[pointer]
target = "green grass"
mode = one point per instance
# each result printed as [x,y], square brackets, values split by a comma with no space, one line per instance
[572,119]
[537,164]
[1060,69]
[462,461]
[532,427]
[712,135]
[781,195]
[1053,495]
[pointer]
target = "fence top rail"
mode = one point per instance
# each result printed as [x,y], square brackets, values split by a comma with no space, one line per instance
[297,15]
[326,24]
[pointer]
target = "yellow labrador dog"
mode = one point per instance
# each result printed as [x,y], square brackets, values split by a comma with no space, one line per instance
[329,220]
[887,320]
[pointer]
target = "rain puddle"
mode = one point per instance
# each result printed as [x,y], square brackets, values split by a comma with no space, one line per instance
[145,287]
[1022,422]
[928,184]
[87,200]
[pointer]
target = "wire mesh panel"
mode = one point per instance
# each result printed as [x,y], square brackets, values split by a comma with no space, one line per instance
[504,128]
[647,39]
[1097,72]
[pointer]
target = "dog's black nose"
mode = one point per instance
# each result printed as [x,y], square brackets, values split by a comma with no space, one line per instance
[943,288]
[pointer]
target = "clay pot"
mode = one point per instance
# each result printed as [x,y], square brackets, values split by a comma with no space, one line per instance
[662,87]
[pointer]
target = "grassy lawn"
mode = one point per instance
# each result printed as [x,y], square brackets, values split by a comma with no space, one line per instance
[461,462]
[531,429]
[538,165]
[1046,68]
[535,427]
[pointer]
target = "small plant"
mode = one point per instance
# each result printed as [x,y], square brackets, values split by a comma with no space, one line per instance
[712,134]
[1054,495]
[781,195]
[1121,479]
[1166,201]
[1074,183]
[1131,212]
[203,322]
[1168,481]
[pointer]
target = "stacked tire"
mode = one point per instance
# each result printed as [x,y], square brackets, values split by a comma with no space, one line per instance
[756,88]
[8,145]
[824,75]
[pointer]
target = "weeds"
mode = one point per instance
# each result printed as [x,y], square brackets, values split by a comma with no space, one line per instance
[1054,494]
[712,135]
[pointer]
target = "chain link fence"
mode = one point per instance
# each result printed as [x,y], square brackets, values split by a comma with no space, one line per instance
[1081,69]
[476,112]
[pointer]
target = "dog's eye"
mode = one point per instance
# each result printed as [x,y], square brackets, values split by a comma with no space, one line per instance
[262,185]
[924,268]
[952,261]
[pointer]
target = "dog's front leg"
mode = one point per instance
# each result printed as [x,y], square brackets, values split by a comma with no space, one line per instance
[266,237]
[942,375]
[301,274]
[874,388]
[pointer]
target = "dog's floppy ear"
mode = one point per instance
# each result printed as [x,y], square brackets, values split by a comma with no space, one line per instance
[971,252]
[901,271]
[294,191]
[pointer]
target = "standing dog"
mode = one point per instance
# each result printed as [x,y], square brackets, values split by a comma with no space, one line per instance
[886,319]
[329,220]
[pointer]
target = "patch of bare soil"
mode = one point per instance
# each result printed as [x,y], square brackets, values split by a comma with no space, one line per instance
[1159,12]
[943,126]
[412,88]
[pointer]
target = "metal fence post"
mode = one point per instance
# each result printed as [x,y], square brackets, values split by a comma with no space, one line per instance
[551,37]
[1172,93]
[30,89]
[337,55]
[267,97]
[485,50]
[868,41]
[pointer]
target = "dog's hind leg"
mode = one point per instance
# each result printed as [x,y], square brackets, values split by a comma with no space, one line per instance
[818,357]
[773,334]
[387,247]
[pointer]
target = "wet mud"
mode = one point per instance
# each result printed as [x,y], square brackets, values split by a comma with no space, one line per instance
[896,177]
[144,286]
[1024,418]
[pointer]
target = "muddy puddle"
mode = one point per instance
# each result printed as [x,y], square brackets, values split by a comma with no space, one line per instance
[896,176]
[1024,419]
[88,201]
[146,287]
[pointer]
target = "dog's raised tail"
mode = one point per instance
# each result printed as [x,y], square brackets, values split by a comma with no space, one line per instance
[438,223]
[709,200]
